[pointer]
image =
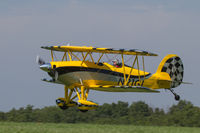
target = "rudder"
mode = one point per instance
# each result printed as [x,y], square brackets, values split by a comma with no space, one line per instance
[173,65]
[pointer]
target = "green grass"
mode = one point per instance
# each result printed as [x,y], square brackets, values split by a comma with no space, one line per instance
[10,127]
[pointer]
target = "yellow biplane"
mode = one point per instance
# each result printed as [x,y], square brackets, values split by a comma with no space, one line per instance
[79,71]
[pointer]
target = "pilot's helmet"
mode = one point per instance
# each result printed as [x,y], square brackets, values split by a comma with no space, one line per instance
[115,61]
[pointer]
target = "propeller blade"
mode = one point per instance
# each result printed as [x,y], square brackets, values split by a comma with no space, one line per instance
[56,75]
[40,61]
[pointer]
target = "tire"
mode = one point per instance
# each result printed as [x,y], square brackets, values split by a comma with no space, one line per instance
[177,97]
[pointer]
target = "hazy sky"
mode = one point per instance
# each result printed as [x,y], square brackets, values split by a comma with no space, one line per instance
[160,26]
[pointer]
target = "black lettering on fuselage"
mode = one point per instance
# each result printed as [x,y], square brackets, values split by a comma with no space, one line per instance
[131,82]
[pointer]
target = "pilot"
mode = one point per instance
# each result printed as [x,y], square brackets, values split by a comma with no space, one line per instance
[116,63]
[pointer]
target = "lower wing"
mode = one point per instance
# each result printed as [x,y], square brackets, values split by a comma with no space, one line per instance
[111,88]
[51,81]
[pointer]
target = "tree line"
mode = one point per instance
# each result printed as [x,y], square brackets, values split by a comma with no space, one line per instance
[138,113]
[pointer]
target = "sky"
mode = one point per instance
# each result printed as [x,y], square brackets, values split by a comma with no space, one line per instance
[160,26]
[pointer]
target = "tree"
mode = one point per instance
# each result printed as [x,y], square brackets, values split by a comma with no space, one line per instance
[139,112]
[2,116]
[184,114]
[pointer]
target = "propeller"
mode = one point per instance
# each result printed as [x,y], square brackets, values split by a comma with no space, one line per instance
[47,68]
[56,75]
[40,61]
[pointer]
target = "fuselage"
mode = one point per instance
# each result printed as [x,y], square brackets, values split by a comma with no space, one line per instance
[76,73]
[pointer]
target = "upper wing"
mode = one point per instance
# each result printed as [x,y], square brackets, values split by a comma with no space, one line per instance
[111,88]
[99,50]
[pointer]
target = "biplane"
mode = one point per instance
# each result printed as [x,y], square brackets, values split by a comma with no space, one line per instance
[81,73]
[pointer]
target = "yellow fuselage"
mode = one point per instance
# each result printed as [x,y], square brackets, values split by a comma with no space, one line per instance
[77,73]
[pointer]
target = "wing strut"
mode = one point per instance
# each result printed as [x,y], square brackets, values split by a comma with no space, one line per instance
[52,55]
[123,68]
[100,58]
[75,56]
[91,56]
[131,70]
[84,57]
[70,57]
[143,68]
[138,67]
[64,56]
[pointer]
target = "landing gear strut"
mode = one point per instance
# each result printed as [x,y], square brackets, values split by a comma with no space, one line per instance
[82,94]
[176,96]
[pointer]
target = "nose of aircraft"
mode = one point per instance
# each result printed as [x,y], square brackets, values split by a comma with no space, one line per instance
[46,67]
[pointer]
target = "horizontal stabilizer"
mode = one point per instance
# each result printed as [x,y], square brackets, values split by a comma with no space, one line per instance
[181,82]
[186,83]
[111,88]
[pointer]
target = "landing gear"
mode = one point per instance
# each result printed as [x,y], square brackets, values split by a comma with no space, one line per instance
[61,103]
[63,107]
[176,96]
[83,104]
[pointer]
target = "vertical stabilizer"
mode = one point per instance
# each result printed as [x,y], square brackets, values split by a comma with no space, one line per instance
[172,65]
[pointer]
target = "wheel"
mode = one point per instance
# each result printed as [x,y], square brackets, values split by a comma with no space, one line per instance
[63,107]
[61,104]
[177,97]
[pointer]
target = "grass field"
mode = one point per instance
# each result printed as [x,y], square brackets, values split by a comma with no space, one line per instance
[10,127]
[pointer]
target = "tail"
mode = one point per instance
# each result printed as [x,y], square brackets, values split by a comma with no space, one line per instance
[172,67]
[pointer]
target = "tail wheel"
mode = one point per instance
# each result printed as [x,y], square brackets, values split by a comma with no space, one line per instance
[177,97]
